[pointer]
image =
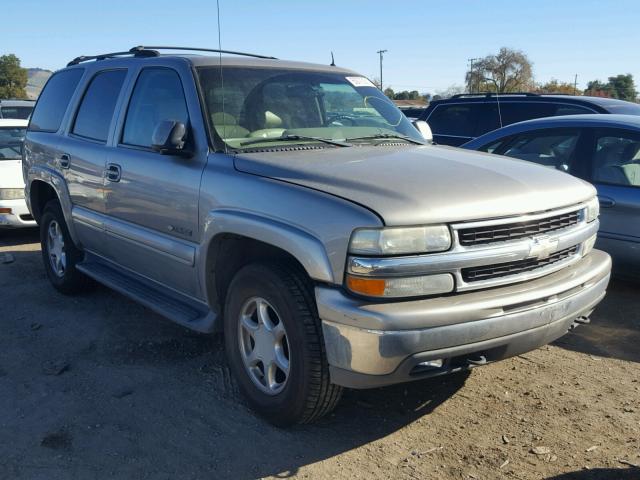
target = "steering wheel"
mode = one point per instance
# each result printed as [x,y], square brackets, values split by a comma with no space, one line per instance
[338,119]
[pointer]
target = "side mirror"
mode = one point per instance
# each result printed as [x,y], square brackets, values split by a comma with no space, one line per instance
[169,138]
[424,129]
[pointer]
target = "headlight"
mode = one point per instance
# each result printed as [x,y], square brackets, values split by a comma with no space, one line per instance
[397,287]
[400,241]
[11,193]
[592,209]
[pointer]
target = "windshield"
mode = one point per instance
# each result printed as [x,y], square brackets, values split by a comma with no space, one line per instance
[289,106]
[21,113]
[11,139]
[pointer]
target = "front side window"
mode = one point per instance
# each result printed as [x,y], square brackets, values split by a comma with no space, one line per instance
[54,100]
[248,104]
[98,104]
[11,139]
[550,148]
[157,96]
[616,159]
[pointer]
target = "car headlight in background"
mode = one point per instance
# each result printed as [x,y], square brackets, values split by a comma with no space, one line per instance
[400,240]
[592,209]
[588,244]
[11,193]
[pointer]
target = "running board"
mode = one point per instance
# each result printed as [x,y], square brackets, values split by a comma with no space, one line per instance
[172,305]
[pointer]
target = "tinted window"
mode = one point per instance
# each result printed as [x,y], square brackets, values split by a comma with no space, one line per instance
[11,139]
[550,148]
[488,118]
[617,158]
[157,96]
[513,112]
[572,110]
[54,100]
[16,112]
[456,120]
[98,104]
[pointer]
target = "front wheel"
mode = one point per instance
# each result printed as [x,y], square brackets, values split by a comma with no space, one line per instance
[274,345]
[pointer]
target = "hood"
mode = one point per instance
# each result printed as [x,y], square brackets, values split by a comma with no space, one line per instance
[412,185]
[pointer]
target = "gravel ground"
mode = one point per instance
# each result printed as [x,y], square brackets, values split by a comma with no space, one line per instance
[97,386]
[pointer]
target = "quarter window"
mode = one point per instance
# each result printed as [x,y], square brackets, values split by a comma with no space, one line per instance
[616,159]
[458,120]
[157,96]
[54,100]
[98,104]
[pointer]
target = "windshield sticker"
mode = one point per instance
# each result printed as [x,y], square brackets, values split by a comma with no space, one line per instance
[360,82]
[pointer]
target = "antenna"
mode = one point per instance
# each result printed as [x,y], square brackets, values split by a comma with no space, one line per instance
[224,124]
[333,62]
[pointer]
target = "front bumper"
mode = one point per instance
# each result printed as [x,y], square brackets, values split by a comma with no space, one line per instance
[373,344]
[19,216]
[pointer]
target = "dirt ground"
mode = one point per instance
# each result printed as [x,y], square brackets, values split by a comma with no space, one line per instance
[97,386]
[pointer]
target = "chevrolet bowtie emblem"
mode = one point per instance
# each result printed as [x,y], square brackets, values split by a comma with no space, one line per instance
[542,246]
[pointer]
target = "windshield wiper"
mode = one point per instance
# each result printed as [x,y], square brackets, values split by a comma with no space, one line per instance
[384,136]
[337,143]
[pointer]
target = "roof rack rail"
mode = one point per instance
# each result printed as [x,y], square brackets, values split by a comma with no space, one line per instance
[103,56]
[493,94]
[141,48]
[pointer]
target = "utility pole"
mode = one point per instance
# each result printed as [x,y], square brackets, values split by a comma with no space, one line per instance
[575,85]
[471,62]
[380,52]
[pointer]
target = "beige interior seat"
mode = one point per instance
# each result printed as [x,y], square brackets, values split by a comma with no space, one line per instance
[227,126]
[272,126]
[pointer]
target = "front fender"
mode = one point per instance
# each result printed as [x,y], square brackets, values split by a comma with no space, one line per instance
[51,177]
[303,246]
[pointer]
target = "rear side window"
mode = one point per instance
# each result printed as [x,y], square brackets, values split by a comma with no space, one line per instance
[157,96]
[54,100]
[98,104]
[513,112]
[455,120]
[572,110]
[616,160]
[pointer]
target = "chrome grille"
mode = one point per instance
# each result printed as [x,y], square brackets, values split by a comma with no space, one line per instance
[513,231]
[487,272]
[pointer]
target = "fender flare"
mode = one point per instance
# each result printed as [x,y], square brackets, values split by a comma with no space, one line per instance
[302,245]
[53,178]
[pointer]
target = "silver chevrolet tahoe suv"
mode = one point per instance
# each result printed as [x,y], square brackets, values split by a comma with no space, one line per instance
[293,207]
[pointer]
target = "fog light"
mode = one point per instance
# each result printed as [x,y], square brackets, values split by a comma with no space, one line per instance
[398,287]
[432,363]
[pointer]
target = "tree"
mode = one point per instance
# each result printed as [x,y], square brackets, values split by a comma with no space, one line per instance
[507,71]
[13,78]
[448,92]
[390,93]
[620,86]
[555,86]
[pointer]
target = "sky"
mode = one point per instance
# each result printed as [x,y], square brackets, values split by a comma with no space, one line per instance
[428,43]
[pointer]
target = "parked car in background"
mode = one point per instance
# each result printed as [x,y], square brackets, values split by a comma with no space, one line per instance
[20,109]
[294,207]
[458,119]
[13,209]
[602,149]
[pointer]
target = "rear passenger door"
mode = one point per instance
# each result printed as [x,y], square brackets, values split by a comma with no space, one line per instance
[615,171]
[152,199]
[83,153]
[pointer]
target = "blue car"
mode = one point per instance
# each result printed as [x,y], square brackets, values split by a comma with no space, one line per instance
[601,149]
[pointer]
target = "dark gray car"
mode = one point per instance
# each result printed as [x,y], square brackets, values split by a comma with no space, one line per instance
[602,149]
[295,208]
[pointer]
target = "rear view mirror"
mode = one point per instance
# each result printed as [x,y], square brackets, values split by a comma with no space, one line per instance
[424,129]
[169,138]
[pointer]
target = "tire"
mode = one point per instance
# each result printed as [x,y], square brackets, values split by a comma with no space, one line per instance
[302,394]
[63,274]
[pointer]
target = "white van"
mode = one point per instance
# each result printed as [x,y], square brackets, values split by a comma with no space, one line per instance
[13,209]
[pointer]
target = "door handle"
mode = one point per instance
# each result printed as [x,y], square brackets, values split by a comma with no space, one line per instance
[606,202]
[114,172]
[64,161]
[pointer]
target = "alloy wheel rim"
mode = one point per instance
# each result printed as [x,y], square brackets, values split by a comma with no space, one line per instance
[264,346]
[55,249]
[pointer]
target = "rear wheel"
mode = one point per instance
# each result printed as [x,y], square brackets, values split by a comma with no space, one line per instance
[274,344]
[59,253]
